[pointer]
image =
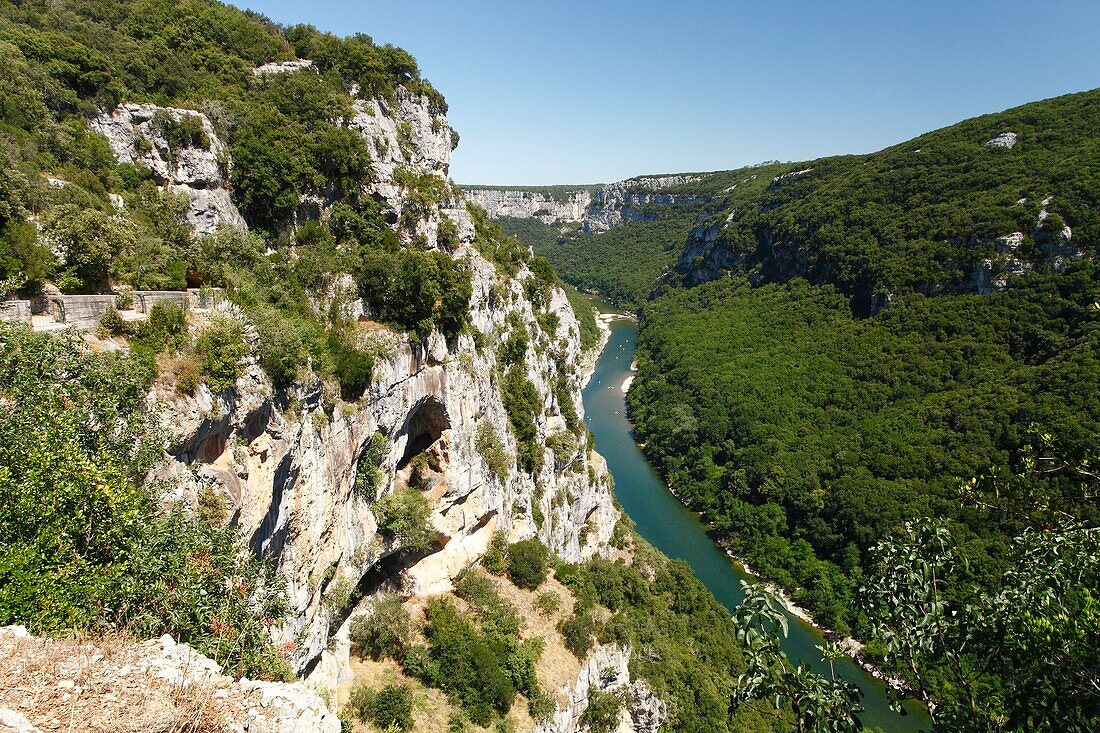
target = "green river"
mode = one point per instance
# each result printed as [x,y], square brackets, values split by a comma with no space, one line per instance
[677,532]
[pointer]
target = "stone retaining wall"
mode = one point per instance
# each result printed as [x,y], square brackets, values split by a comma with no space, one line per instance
[15,310]
[144,300]
[84,312]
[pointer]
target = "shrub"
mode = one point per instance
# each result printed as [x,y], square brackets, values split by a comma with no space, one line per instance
[547,602]
[418,663]
[389,707]
[457,722]
[280,347]
[577,632]
[602,713]
[188,371]
[564,444]
[211,508]
[522,403]
[406,516]
[368,471]
[491,447]
[416,291]
[496,555]
[353,368]
[527,563]
[384,631]
[164,329]
[470,667]
[476,587]
[540,707]
[111,324]
[514,350]
[222,347]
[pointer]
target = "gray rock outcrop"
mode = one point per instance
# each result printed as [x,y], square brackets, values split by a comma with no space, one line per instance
[1004,140]
[154,686]
[284,67]
[607,669]
[199,173]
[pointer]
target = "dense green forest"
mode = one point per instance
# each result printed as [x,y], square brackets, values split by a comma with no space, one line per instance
[807,435]
[642,252]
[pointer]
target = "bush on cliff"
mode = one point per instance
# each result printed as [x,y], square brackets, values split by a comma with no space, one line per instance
[84,544]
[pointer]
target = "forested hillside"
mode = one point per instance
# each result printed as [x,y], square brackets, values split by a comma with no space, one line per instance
[939,213]
[807,435]
[842,377]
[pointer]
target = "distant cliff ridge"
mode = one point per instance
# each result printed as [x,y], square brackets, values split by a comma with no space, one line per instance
[596,208]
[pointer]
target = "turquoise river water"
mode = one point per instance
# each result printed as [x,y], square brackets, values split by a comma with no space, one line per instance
[677,532]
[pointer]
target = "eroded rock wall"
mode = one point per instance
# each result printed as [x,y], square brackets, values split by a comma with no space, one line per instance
[607,669]
[136,135]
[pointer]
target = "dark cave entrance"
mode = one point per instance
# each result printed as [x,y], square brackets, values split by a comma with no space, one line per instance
[423,427]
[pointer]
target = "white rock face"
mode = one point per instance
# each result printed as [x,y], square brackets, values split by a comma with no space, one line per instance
[407,137]
[153,686]
[194,172]
[518,204]
[1004,140]
[284,67]
[607,669]
[606,207]
[288,476]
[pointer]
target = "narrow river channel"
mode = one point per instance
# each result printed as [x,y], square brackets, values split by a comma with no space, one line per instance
[666,524]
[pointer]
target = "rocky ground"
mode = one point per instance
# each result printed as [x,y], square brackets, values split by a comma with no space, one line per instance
[119,685]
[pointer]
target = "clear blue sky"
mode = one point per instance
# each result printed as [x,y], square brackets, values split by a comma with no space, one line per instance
[577,92]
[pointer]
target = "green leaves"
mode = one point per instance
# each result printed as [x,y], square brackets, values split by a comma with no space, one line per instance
[817,703]
[84,544]
[1019,655]
[406,516]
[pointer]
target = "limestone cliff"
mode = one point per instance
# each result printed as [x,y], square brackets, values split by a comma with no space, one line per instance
[607,670]
[287,465]
[195,167]
[596,209]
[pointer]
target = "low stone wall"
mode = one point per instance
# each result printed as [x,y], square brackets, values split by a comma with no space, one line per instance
[84,312]
[80,311]
[144,300]
[15,310]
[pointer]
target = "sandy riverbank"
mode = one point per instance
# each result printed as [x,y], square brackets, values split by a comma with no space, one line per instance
[590,357]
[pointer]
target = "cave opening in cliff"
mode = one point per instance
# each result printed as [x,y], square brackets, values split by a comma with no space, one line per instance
[423,427]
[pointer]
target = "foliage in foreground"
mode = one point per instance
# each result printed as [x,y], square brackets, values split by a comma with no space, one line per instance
[84,545]
[1023,656]
[817,703]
